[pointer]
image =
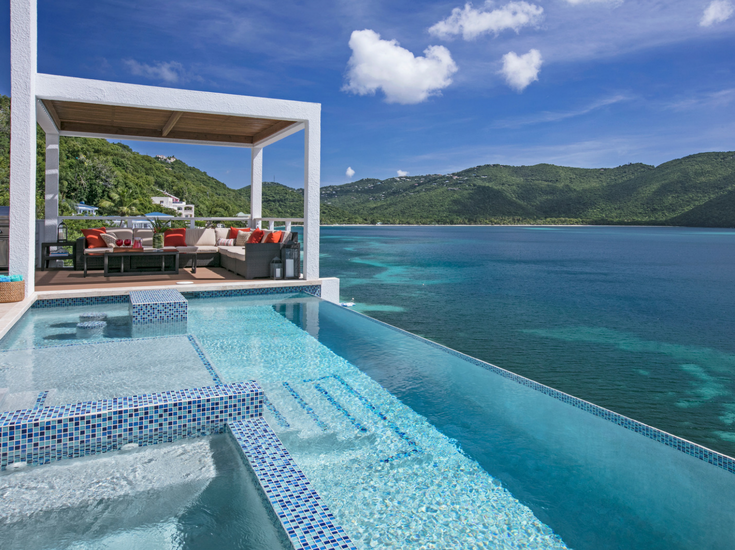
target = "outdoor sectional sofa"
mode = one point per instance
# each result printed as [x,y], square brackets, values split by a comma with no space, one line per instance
[251,261]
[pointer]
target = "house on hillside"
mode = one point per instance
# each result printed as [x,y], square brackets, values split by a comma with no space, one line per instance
[174,203]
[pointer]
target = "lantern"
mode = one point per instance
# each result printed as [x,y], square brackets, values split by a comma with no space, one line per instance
[61,233]
[276,268]
[291,256]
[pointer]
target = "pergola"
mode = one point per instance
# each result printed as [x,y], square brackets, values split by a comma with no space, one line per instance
[67,106]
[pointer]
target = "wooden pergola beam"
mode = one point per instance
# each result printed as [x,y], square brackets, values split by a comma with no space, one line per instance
[175,116]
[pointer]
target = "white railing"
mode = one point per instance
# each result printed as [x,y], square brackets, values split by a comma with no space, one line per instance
[128,221]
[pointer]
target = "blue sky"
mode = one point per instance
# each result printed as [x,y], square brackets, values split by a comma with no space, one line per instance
[423,87]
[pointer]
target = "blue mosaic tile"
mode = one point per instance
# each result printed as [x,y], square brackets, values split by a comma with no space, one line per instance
[41,399]
[413,448]
[275,412]
[307,520]
[304,405]
[43,435]
[205,360]
[81,301]
[157,306]
[687,447]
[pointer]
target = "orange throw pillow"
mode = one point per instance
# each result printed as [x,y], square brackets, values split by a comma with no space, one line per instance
[93,239]
[257,236]
[274,237]
[235,230]
[173,239]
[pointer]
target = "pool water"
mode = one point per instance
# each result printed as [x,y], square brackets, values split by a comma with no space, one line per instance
[412,446]
[188,494]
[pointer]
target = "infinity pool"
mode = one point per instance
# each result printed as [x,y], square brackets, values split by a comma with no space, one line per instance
[410,445]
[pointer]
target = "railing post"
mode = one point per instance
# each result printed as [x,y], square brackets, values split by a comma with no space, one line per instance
[193,224]
[288,227]
[271,225]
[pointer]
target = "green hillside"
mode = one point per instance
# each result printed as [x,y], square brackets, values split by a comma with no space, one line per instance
[698,190]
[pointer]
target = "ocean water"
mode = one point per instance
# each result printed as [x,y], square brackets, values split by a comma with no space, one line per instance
[637,320]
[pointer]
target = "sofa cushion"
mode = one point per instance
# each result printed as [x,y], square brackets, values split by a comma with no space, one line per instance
[93,239]
[200,236]
[221,233]
[173,237]
[225,242]
[200,249]
[242,238]
[274,237]
[109,239]
[256,236]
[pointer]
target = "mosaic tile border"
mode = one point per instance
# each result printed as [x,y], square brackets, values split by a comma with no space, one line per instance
[40,436]
[81,301]
[306,519]
[314,290]
[687,447]
[207,364]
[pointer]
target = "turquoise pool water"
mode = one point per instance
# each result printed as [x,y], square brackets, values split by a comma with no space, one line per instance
[413,447]
[187,494]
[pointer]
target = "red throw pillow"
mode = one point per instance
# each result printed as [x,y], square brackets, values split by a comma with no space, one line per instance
[173,237]
[235,230]
[93,239]
[256,236]
[274,237]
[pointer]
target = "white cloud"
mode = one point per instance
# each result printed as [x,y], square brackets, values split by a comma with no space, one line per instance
[168,72]
[718,11]
[350,172]
[378,64]
[402,173]
[471,22]
[520,71]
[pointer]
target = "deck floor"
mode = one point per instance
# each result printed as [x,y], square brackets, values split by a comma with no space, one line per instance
[75,280]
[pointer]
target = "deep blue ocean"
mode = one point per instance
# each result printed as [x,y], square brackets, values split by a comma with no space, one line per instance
[637,320]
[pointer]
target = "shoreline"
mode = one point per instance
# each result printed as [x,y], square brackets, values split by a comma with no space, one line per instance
[516,225]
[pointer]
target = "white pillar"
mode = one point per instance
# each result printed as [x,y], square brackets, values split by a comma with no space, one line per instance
[23,43]
[312,156]
[52,187]
[256,186]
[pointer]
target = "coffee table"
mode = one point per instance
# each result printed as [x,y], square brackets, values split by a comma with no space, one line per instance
[149,261]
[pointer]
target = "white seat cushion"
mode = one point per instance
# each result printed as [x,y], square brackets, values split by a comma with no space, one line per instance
[199,249]
[237,252]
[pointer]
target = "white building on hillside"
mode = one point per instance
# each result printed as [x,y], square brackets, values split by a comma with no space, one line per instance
[169,201]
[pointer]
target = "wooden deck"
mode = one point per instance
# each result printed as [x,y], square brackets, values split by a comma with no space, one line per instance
[75,280]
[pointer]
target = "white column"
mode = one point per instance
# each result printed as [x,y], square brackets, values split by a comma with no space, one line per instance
[23,43]
[312,156]
[256,186]
[52,187]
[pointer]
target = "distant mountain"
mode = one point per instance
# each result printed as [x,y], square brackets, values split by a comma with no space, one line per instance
[698,190]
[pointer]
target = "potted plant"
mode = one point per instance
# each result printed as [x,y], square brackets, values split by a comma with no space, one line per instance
[159,226]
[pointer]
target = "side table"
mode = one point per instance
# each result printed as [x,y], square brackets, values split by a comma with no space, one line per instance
[46,257]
